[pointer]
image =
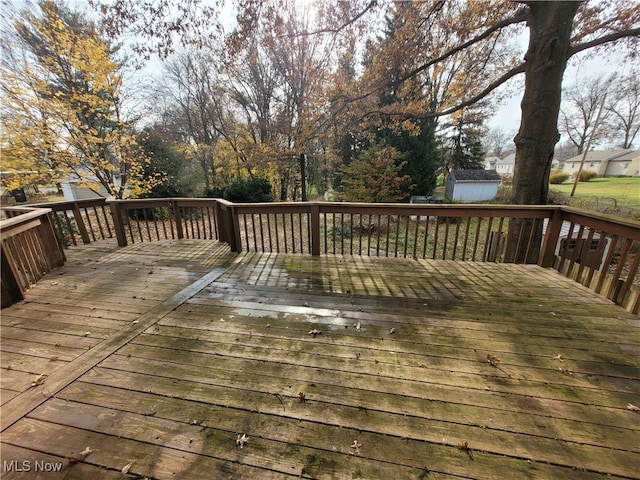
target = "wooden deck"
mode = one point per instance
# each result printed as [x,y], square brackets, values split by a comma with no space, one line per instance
[156,359]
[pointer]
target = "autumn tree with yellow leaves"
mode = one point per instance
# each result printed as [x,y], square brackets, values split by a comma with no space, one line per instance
[62,114]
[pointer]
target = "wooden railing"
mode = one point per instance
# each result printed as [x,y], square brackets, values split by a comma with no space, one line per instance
[28,248]
[82,221]
[600,252]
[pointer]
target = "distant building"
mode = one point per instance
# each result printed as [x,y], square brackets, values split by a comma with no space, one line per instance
[606,163]
[472,185]
[490,163]
[505,167]
[73,191]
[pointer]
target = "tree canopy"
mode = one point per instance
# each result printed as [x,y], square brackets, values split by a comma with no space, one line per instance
[62,113]
[252,86]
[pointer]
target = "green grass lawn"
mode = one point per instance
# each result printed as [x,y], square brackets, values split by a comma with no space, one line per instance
[626,191]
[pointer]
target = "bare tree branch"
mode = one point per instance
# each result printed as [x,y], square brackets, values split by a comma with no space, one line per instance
[612,37]
[351,21]
[479,96]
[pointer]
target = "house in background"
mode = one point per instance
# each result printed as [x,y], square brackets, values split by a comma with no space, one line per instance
[73,191]
[505,167]
[606,163]
[490,163]
[472,185]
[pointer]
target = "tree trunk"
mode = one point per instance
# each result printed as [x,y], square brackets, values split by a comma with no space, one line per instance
[550,27]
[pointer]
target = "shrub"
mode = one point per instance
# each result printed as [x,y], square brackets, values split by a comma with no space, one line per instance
[558,177]
[587,175]
[252,189]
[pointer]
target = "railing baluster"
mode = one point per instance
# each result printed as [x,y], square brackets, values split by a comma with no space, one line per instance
[455,240]
[415,237]
[612,291]
[301,234]
[293,233]
[261,231]
[88,220]
[435,238]
[628,283]
[146,223]
[532,235]
[445,244]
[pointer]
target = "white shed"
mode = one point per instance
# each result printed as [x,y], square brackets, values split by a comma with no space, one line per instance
[472,185]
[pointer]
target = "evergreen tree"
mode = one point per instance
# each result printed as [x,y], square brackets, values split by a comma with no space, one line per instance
[411,135]
[463,147]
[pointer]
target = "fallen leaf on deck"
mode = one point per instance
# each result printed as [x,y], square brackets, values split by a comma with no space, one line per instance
[152,411]
[463,446]
[81,456]
[492,360]
[126,468]
[632,407]
[356,446]
[39,380]
[241,440]
[314,332]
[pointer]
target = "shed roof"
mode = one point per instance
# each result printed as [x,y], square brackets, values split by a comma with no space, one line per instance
[475,175]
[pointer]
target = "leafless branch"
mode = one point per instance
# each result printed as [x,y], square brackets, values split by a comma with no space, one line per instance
[338,29]
[612,37]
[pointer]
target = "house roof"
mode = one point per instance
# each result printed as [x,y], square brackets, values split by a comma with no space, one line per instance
[475,175]
[606,156]
[508,160]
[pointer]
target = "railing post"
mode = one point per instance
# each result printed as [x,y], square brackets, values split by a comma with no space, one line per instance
[315,229]
[233,226]
[554,226]
[82,228]
[221,222]
[177,219]
[11,288]
[118,224]
[52,249]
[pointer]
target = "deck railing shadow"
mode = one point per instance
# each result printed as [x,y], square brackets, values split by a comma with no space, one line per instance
[598,251]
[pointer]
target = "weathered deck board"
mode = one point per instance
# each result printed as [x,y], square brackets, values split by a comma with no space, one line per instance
[180,361]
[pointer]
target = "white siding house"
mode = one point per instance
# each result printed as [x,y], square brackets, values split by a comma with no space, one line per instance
[505,167]
[472,185]
[490,163]
[606,163]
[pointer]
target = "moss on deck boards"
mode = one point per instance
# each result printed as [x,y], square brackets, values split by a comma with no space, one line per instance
[422,369]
